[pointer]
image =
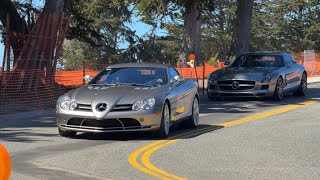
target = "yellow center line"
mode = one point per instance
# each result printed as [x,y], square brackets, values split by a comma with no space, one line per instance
[133,160]
[148,150]
[145,159]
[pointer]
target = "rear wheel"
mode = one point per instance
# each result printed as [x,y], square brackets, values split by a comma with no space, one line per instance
[193,121]
[278,92]
[302,91]
[66,133]
[164,130]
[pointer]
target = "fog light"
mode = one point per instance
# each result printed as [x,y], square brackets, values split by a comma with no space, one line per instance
[141,119]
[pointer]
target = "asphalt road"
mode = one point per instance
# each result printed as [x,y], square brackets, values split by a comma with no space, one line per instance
[265,140]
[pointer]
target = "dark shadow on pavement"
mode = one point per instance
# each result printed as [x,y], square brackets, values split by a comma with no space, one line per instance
[176,132]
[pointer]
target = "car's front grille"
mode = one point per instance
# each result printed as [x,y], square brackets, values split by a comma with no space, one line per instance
[235,85]
[119,107]
[104,124]
[122,107]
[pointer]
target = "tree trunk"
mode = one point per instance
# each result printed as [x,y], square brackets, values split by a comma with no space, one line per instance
[17,26]
[35,66]
[243,27]
[192,29]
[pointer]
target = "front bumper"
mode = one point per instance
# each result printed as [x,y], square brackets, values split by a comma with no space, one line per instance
[259,90]
[126,121]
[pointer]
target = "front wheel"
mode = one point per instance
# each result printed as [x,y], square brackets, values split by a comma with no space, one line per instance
[278,92]
[66,133]
[193,121]
[164,130]
[302,91]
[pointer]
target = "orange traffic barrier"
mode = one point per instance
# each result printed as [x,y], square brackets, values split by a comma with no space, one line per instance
[75,78]
[4,163]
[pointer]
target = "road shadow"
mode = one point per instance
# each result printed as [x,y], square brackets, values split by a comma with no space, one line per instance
[23,129]
[236,105]
[176,132]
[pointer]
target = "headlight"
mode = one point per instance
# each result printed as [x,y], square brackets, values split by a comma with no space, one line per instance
[145,105]
[211,78]
[73,105]
[148,103]
[268,77]
[66,103]
[136,105]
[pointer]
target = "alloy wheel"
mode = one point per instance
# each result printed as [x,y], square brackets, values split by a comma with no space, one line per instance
[304,84]
[166,119]
[195,112]
[280,88]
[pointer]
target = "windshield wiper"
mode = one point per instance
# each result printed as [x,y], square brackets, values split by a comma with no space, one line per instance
[102,84]
[96,84]
[144,85]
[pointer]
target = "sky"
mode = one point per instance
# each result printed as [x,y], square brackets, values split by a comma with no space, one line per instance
[136,25]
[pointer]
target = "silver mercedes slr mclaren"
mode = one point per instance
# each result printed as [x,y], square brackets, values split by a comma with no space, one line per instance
[130,97]
[260,74]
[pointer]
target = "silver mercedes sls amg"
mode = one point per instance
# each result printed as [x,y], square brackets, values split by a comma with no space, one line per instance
[130,97]
[260,74]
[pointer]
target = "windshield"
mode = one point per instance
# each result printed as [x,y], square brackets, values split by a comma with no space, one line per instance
[135,76]
[258,60]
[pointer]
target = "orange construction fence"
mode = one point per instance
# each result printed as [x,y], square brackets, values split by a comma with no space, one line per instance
[75,78]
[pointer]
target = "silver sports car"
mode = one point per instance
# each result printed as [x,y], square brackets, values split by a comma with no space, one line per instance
[261,74]
[130,97]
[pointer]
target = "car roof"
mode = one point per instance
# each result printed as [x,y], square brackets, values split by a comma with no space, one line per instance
[124,65]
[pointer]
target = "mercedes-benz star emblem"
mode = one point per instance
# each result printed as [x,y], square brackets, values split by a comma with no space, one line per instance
[100,107]
[235,85]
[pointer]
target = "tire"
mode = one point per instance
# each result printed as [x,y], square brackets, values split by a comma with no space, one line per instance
[193,121]
[66,133]
[278,92]
[303,87]
[164,130]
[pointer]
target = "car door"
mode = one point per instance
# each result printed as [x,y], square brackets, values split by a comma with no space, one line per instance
[297,74]
[183,96]
[289,72]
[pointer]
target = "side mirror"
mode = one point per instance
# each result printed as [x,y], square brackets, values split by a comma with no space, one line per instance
[178,78]
[227,63]
[87,78]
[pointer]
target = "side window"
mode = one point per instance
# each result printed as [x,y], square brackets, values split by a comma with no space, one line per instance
[289,59]
[292,59]
[172,73]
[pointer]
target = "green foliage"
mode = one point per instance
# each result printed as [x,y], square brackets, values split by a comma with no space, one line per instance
[103,25]
[76,53]
[283,25]
[213,61]
[99,26]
